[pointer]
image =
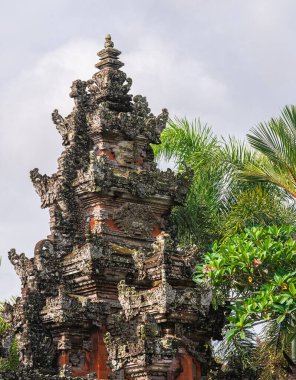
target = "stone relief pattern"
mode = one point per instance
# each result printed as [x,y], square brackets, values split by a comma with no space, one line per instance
[135,219]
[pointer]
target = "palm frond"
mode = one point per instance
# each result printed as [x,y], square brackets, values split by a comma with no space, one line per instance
[289,118]
[276,142]
[186,141]
[236,151]
[257,206]
[266,171]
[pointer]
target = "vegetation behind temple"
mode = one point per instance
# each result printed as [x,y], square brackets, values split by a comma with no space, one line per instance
[11,361]
[251,263]
[219,204]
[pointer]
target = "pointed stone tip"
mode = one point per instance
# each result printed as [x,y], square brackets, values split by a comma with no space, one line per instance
[108,42]
[109,55]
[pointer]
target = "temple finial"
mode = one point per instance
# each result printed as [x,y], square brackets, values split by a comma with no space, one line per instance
[109,55]
[108,42]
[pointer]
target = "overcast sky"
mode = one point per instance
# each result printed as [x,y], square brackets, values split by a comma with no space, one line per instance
[230,62]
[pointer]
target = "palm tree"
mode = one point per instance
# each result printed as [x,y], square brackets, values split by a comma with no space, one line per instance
[194,145]
[218,204]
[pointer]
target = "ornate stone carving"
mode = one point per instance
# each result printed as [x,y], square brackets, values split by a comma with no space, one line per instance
[22,265]
[135,220]
[63,127]
[109,294]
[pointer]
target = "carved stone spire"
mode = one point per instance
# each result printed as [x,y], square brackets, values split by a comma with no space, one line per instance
[109,56]
[111,84]
[109,295]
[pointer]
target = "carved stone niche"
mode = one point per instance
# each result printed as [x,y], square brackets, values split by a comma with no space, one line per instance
[135,219]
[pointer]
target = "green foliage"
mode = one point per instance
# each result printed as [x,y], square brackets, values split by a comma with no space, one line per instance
[255,270]
[218,203]
[275,143]
[11,362]
[197,221]
[252,261]
[257,206]
[182,141]
[195,145]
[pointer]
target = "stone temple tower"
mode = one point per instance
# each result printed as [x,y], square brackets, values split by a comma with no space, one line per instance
[108,294]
